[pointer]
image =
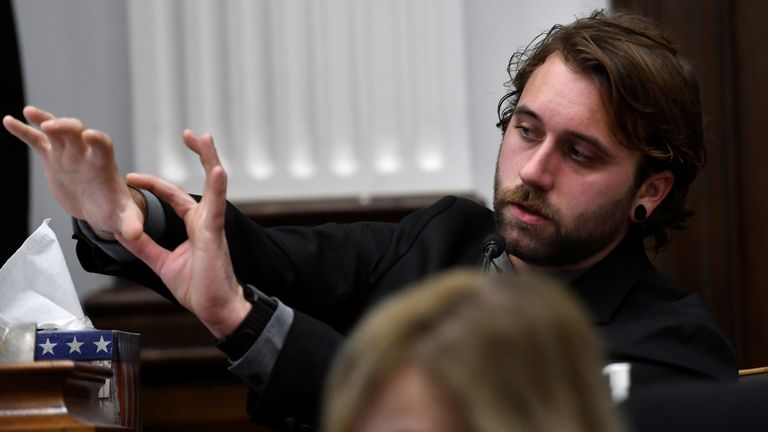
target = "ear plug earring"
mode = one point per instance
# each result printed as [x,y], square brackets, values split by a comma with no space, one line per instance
[640,213]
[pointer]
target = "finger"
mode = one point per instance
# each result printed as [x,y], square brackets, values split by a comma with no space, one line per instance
[215,187]
[147,250]
[100,145]
[215,197]
[204,147]
[175,196]
[65,133]
[29,135]
[72,129]
[36,116]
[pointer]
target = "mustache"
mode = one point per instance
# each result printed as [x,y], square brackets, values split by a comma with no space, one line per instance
[530,199]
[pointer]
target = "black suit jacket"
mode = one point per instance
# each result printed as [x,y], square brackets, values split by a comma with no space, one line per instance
[333,273]
[700,407]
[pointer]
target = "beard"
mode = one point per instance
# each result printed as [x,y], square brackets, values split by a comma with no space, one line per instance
[557,242]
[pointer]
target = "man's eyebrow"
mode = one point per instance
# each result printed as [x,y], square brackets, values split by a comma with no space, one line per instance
[592,141]
[598,145]
[524,110]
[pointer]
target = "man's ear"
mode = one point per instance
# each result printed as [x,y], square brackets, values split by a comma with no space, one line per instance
[653,191]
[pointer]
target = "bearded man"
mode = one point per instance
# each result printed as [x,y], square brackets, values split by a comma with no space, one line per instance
[602,137]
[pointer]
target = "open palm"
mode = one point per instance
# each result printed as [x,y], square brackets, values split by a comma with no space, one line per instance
[199,271]
[81,171]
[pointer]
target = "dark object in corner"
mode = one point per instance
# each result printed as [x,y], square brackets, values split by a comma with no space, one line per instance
[14,163]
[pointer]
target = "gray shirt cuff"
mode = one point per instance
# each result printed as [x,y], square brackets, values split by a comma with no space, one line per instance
[257,363]
[154,226]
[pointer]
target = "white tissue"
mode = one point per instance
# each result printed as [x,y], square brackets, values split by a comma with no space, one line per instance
[35,285]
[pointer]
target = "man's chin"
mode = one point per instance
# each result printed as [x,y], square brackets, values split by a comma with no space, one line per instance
[528,253]
[548,252]
[522,233]
[531,246]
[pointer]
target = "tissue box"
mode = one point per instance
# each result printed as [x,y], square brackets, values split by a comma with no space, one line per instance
[119,398]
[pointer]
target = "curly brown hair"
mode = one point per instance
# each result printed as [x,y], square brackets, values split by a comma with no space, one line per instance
[652,92]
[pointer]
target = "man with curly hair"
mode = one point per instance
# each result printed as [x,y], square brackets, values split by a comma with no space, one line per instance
[602,137]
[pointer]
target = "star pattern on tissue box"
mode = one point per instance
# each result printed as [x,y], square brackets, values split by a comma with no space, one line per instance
[75,345]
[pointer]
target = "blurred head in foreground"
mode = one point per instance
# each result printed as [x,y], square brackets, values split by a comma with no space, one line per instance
[467,352]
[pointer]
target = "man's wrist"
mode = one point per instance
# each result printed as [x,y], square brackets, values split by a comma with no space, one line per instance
[104,235]
[239,341]
[141,202]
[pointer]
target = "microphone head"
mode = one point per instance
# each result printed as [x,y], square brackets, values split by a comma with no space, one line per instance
[494,245]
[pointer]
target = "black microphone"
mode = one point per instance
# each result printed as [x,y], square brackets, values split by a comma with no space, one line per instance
[493,246]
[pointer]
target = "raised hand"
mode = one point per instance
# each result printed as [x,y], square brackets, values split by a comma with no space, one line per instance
[81,171]
[199,271]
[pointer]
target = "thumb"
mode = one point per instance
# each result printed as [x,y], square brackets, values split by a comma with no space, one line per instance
[130,226]
[145,249]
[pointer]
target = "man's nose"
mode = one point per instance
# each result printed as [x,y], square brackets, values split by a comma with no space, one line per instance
[539,170]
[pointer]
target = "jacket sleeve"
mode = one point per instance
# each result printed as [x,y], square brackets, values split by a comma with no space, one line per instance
[332,272]
[291,399]
[329,275]
[292,263]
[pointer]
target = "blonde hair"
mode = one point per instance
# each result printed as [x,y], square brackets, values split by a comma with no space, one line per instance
[514,353]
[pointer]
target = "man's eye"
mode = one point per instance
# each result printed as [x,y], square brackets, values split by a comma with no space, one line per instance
[576,154]
[525,132]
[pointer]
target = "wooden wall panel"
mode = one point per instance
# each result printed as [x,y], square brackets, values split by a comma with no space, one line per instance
[750,82]
[721,253]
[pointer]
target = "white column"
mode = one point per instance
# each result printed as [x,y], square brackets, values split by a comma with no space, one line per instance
[305,98]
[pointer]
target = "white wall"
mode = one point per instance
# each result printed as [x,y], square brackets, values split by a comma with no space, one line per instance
[75,62]
[307,99]
[495,30]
